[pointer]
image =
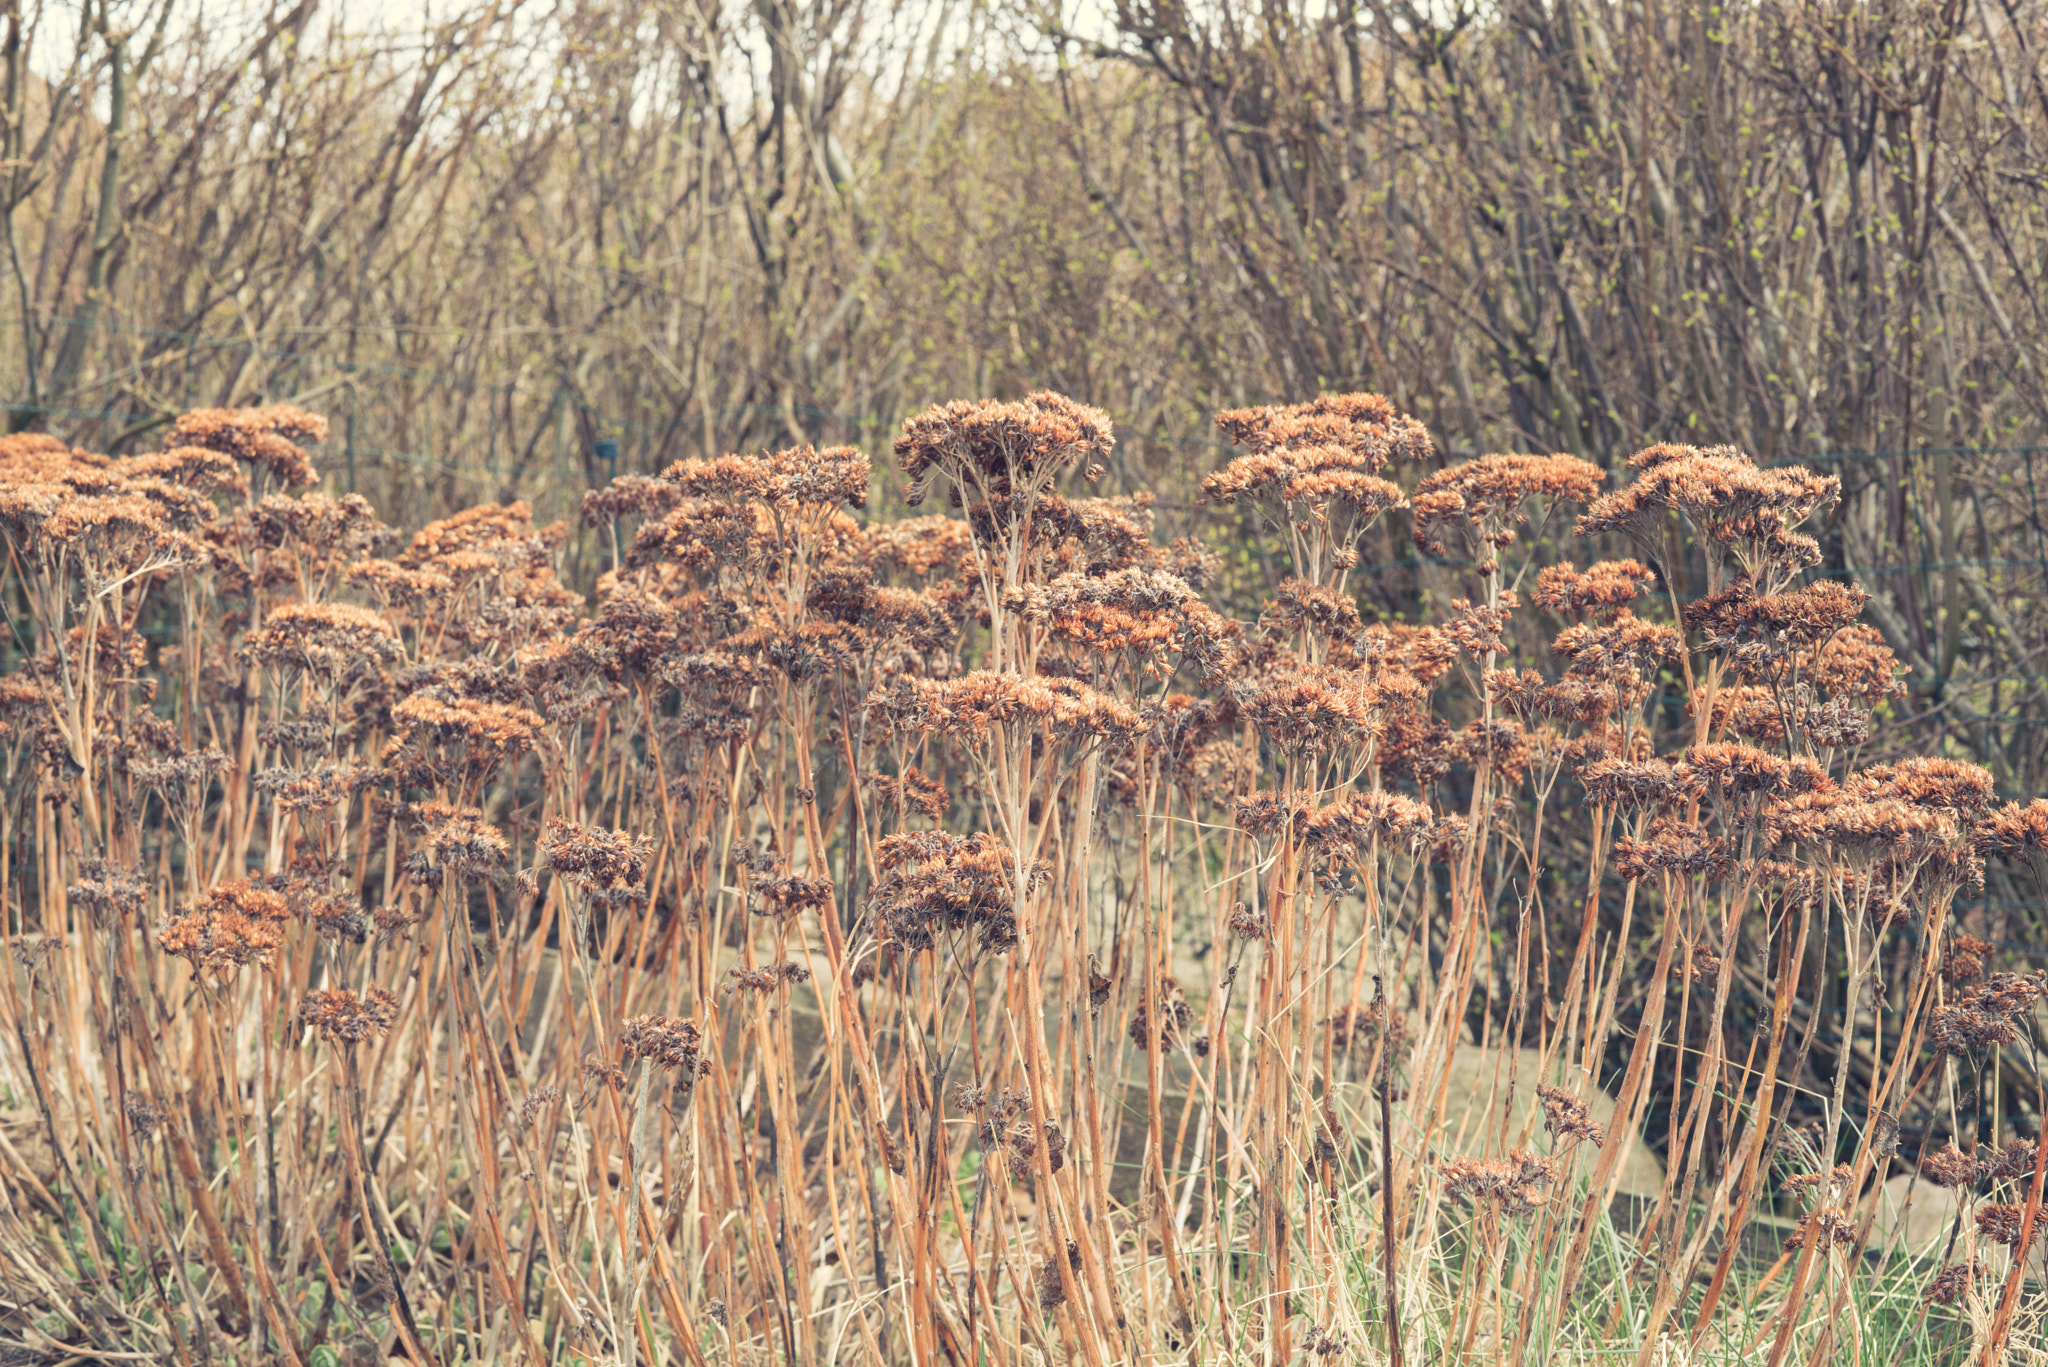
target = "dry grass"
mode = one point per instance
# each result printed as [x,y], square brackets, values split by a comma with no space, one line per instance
[952,939]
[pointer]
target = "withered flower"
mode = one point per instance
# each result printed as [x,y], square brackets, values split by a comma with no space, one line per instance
[2016,1159]
[1175,1016]
[1949,786]
[1625,647]
[1304,712]
[1965,959]
[933,882]
[1985,1015]
[1828,1228]
[108,890]
[1672,847]
[994,448]
[1247,924]
[1511,1186]
[320,788]
[1260,814]
[342,1017]
[1323,1343]
[233,925]
[608,865]
[454,839]
[1856,665]
[911,791]
[1486,497]
[2001,1223]
[1052,1291]
[1367,429]
[1650,783]
[1954,1281]
[2013,830]
[268,438]
[1566,1117]
[481,734]
[1729,501]
[1351,1025]
[1738,770]
[792,896]
[797,476]
[664,1041]
[767,979]
[1949,1167]
[1602,589]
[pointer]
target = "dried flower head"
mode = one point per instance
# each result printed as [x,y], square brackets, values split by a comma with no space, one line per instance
[1827,1228]
[2016,1159]
[664,1041]
[1175,1016]
[1487,497]
[454,839]
[1953,1282]
[1352,1025]
[267,438]
[935,883]
[1322,1343]
[609,865]
[1985,1015]
[997,449]
[1965,958]
[1673,848]
[1510,1186]
[1566,1117]
[911,791]
[767,979]
[233,925]
[1052,1290]
[1601,590]
[1949,1167]
[2002,1223]
[2013,830]
[1735,506]
[342,1017]
[108,890]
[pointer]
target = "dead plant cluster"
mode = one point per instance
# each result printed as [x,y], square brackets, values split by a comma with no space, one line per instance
[953,939]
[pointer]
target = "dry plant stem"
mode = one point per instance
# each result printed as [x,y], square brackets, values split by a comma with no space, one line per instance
[380,1250]
[1388,1250]
[2008,1296]
[1756,1136]
[1605,1170]
[187,1160]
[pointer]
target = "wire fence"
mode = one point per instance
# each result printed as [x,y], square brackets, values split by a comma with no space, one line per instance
[316,369]
[305,368]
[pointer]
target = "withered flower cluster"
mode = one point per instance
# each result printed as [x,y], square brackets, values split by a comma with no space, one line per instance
[234,925]
[1511,1186]
[1566,1117]
[825,745]
[933,883]
[343,1017]
[1175,1016]
[1986,1015]
[1950,1285]
[454,840]
[1323,454]
[1486,499]
[664,1041]
[1000,450]
[269,439]
[1736,507]
[608,866]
